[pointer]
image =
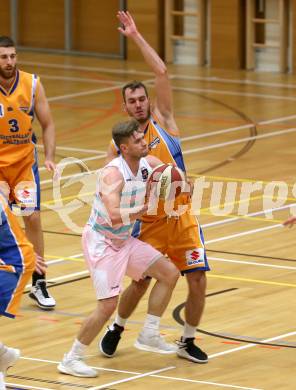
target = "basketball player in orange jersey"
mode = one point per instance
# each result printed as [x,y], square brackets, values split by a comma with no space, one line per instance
[180,238]
[21,98]
[17,263]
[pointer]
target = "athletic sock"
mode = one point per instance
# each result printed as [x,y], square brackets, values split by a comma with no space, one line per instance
[36,277]
[151,323]
[118,321]
[78,349]
[188,332]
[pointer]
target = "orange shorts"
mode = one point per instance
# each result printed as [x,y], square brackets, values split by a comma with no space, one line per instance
[180,238]
[20,183]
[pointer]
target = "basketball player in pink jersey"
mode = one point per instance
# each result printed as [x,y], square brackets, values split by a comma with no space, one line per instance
[181,239]
[111,252]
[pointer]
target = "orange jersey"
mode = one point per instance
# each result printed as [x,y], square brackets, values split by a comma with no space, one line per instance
[16,116]
[162,144]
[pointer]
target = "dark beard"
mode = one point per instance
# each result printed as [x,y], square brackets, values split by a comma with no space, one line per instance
[8,74]
[141,120]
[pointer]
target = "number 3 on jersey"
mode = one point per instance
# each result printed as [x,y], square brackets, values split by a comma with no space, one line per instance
[14,125]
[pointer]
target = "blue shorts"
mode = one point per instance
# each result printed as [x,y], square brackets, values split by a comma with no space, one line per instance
[17,261]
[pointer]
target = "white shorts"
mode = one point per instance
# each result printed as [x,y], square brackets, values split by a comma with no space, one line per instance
[108,264]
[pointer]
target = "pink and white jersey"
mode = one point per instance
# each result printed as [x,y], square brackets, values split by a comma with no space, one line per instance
[132,199]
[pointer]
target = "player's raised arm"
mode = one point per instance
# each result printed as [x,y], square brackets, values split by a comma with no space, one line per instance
[44,116]
[163,107]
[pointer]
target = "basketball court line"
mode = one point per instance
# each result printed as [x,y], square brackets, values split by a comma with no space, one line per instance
[172,77]
[237,128]
[145,73]
[90,92]
[210,275]
[246,233]
[231,218]
[86,68]
[25,387]
[251,345]
[132,378]
[209,383]
[79,79]
[251,263]
[235,93]
[75,149]
[79,258]
[218,207]
[234,81]
[217,132]
[72,175]
[249,280]
[84,93]
[226,178]
[201,149]
[185,89]
[152,375]
[239,140]
[234,219]
[203,211]
[99,157]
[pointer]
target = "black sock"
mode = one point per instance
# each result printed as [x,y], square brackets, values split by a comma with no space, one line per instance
[36,277]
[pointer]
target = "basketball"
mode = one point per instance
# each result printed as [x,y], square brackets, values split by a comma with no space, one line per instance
[167,181]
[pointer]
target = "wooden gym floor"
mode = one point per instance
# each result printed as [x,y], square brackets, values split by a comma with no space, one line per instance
[238,132]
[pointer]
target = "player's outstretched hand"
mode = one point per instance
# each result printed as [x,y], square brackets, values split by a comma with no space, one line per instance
[290,221]
[129,27]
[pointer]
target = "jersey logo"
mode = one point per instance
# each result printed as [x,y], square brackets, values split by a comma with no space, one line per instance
[154,143]
[26,195]
[24,109]
[145,173]
[195,256]
[1,111]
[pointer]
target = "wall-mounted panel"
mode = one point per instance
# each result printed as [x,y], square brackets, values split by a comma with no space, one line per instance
[94,26]
[227,34]
[149,16]
[41,23]
[293,36]
[5,17]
